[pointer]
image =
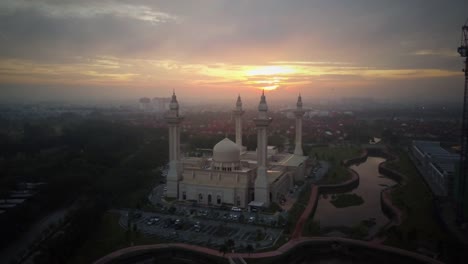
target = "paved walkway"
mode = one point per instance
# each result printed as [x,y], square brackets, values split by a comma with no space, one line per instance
[283,249]
[20,246]
[307,211]
[296,239]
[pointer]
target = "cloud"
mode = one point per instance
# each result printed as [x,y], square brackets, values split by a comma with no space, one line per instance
[89,9]
[436,52]
[228,44]
[107,70]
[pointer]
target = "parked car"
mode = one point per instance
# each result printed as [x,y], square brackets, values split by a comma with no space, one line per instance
[137,215]
[197,227]
[236,209]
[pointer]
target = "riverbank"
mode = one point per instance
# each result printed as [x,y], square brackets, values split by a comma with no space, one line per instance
[419,228]
[366,228]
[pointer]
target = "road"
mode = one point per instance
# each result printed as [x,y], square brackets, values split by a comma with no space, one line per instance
[20,245]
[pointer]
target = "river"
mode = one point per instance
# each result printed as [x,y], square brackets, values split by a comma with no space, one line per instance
[371,183]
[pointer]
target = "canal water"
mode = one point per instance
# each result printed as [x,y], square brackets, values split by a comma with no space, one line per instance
[371,183]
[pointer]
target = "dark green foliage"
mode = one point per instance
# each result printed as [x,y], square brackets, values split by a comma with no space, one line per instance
[346,200]
[312,228]
[415,200]
[335,155]
[273,208]
[295,212]
[105,163]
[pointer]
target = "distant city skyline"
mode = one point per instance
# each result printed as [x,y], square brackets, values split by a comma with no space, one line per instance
[124,50]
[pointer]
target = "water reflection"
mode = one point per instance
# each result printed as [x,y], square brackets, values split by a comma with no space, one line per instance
[371,184]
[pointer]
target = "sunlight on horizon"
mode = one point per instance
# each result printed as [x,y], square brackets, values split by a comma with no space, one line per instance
[271,74]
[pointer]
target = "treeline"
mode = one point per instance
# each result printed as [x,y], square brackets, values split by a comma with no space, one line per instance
[248,140]
[61,241]
[112,164]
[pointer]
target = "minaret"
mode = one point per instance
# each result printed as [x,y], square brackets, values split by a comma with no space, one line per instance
[262,186]
[173,121]
[299,113]
[238,112]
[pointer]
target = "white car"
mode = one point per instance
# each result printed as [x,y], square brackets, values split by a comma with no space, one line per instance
[236,209]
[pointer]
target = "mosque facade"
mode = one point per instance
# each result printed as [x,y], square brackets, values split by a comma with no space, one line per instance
[234,176]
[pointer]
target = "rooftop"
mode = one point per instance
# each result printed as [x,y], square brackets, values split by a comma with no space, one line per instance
[440,157]
[292,160]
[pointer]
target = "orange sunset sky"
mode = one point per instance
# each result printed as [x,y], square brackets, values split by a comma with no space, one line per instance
[211,49]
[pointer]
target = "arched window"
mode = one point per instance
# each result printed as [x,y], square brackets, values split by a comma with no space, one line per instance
[209,198]
[218,199]
[184,195]
[200,197]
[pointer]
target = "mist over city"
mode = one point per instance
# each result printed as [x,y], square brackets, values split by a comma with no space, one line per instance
[217,131]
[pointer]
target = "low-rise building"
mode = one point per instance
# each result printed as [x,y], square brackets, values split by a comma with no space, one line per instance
[436,165]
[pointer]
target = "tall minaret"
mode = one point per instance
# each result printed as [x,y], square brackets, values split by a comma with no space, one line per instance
[238,112]
[173,120]
[262,186]
[299,113]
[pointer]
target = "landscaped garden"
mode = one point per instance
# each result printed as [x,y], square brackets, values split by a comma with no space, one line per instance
[416,202]
[337,173]
[346,200]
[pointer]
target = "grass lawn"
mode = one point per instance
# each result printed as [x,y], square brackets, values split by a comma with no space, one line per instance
[346,200]
[334,155]
[415,199]
[297,209]
[109,237]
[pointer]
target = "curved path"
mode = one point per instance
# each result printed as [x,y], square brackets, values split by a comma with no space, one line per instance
[296,240]
[307,211]
[296,237]
[278,252]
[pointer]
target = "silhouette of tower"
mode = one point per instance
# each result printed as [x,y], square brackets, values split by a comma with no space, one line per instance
[173,120]
[238,112]
[262,185]
[299,113]
[462,184]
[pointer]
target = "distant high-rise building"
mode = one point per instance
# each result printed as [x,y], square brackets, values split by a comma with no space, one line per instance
[161,104]
[145,104]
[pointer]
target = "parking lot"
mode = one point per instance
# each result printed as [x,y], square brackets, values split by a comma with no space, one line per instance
[200,230]
[212,226]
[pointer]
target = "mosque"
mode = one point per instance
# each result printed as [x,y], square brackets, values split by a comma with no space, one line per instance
[234,176]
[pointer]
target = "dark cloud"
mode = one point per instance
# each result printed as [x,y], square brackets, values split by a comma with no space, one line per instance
[361,31]
[366,33]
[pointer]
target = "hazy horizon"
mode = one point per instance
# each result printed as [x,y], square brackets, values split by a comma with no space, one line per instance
[213,50]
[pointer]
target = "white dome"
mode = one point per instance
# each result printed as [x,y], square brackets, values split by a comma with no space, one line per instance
[226,151]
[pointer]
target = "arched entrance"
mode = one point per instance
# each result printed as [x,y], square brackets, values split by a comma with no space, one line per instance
[209,199]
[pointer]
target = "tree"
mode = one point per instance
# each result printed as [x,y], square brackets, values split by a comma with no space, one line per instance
[249,248]
[281,220]
[223,249]
[230,244]
[241,218]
